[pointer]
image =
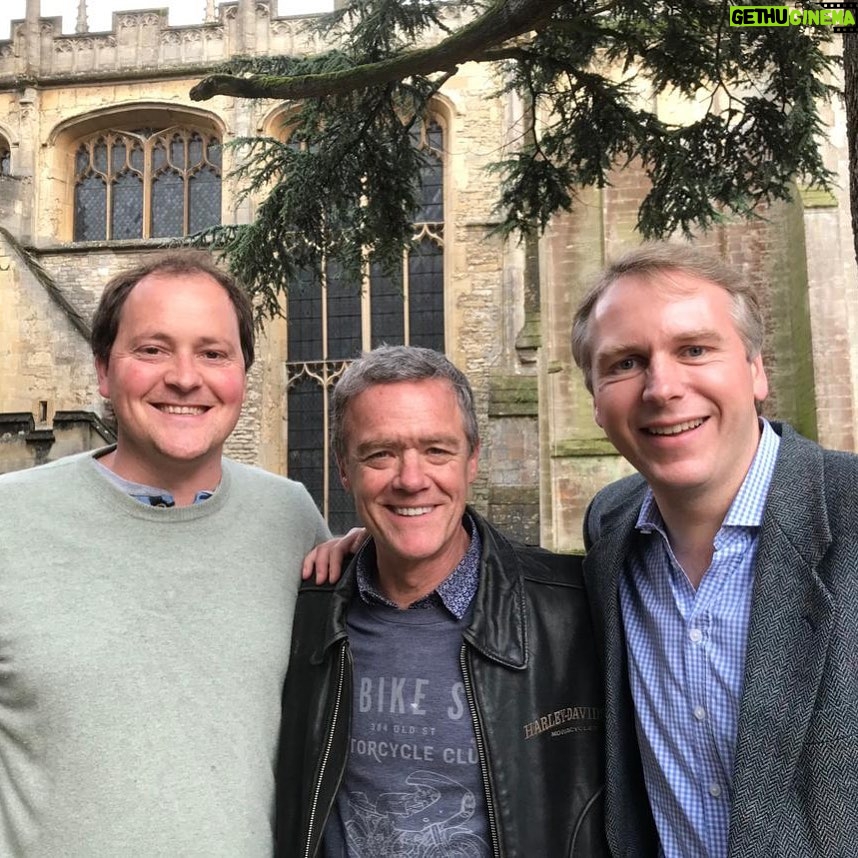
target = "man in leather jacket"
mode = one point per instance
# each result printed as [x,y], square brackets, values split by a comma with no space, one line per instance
[445,697]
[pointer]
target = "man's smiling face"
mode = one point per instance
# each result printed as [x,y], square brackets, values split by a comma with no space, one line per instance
[673,386]
[175,377]
[408,465]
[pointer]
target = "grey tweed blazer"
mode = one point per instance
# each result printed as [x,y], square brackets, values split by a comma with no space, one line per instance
[795,785]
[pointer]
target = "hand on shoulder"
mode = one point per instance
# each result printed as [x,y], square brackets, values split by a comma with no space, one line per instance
[326,561]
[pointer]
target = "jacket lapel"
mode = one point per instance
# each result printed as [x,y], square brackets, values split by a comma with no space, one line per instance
[791,620]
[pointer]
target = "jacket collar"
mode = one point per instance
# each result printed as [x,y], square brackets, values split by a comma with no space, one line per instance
[498,628]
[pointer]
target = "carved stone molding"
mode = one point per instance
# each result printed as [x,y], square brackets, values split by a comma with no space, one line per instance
[139,19]
[282,28]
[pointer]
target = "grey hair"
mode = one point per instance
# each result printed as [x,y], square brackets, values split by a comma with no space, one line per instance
[656,257]
[390,364]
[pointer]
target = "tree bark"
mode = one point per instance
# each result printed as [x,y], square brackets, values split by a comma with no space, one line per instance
[850,74]
[502,21]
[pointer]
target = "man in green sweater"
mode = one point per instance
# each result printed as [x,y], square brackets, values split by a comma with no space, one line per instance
[146,597]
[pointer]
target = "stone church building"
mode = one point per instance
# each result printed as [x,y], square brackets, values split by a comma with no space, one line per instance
[104,157]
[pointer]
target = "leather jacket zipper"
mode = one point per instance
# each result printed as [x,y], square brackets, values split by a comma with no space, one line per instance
[481,752]
[327,753]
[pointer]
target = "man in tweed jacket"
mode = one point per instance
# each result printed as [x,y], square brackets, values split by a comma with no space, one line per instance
[724,578]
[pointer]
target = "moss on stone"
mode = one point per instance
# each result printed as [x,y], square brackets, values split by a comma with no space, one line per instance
[513,396]
[579,447]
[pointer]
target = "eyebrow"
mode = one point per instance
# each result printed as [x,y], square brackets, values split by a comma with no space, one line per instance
[701,335]
[374,444]
[167,338]
[709,334]
[616,349]
[215,341]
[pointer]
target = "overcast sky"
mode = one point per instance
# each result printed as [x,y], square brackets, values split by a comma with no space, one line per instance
[181,11]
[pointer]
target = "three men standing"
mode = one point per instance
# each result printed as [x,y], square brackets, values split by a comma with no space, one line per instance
[446,695]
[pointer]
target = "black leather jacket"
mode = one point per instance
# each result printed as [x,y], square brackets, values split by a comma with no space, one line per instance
[534,685]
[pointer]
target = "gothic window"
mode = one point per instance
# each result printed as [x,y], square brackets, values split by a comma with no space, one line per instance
[146,183]
[330,320]
[5,160]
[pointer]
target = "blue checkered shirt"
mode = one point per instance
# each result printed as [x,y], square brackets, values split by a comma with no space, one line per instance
[686,653]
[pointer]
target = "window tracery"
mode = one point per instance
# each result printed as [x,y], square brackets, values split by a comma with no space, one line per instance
[146,183]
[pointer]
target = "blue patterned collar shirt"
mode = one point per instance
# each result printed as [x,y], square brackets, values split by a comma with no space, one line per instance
[455,592]
[148,495]
[686,652]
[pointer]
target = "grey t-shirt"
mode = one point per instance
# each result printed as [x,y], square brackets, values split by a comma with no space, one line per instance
[413,784]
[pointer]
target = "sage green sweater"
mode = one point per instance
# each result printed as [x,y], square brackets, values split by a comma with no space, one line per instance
[142,654]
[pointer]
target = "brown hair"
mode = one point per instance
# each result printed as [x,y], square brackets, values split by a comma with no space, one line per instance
[653,258]
[105,322]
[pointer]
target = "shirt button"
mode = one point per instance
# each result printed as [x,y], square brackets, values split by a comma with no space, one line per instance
[714,790]
[696,635]
[699,713]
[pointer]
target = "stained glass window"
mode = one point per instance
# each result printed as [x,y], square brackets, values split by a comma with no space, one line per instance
[330,320]
[127,209]
[388,308]
[167,203]
[146,183]
[426,300]
[90,208]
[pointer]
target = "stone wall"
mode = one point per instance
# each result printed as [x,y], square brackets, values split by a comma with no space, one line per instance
[45,354]
[26,442]
[508,306]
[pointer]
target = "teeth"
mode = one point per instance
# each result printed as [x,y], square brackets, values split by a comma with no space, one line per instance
[675,430]
[182,409]
[412,510]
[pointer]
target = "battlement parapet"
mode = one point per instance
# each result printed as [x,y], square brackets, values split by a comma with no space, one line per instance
[143,40]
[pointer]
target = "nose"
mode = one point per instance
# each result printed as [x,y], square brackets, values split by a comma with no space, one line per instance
[664,380]
[182,372]
[411,474]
